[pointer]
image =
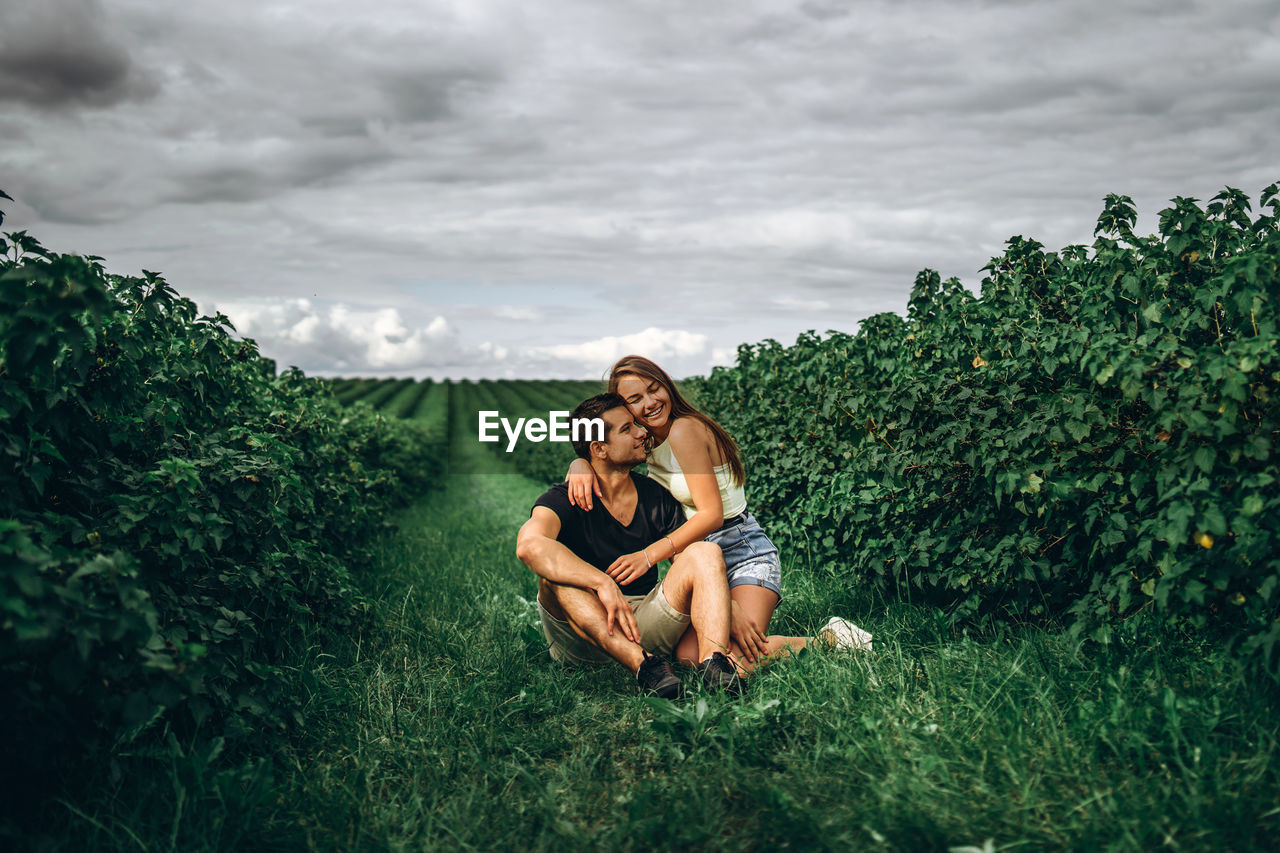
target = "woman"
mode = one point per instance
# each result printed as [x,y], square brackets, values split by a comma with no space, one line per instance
[699,464]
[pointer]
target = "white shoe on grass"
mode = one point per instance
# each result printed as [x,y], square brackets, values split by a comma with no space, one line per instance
[846,635]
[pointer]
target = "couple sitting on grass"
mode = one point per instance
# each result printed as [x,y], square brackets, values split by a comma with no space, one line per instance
[595,542]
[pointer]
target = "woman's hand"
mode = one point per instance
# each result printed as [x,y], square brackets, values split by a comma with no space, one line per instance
[582,483]
[745,633]
[628,567]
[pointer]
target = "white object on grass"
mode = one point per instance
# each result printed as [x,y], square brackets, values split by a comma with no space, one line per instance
[847,635]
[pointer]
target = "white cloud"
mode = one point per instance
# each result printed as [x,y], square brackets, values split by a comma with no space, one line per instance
[341,338]
[494,352]
[724,356]
[654,343]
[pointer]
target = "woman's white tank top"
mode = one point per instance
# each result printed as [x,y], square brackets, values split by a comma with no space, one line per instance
[664,468]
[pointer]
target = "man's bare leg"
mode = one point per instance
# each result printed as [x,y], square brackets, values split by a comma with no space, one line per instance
[758,603]
[697,585]
[586,616]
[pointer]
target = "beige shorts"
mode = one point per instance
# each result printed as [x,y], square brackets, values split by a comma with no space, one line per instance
[661,627]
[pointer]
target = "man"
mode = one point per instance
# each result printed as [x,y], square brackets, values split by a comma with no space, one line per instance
[586,616]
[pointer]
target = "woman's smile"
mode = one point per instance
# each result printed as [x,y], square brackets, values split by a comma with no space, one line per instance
[650,415]
[648,401]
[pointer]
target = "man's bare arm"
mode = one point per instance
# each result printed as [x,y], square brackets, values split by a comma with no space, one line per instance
[538,548]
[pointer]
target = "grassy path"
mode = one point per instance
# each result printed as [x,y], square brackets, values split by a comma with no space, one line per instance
[451,728]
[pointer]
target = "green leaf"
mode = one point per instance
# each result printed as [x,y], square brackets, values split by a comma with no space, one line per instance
[1214,521]
[1268,587]
[98,565]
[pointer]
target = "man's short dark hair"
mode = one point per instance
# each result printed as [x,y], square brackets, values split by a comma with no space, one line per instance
[589,409]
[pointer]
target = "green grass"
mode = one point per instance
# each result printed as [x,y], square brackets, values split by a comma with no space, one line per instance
[449,727]
[468,736]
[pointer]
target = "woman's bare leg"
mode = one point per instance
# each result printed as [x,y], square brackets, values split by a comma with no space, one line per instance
[758,603]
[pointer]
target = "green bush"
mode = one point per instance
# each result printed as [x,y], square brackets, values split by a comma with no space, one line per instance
[1091,437]
[173,515]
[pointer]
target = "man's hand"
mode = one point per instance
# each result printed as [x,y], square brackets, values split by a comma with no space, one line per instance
[628,567]
[582,484]
[617,609]
[745,633]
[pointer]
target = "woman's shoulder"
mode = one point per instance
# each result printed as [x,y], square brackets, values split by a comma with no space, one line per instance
[688,433]
[688,428]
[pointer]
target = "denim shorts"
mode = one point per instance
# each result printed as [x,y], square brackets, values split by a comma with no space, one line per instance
[749,556]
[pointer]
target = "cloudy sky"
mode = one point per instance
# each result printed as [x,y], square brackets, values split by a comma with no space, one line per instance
[492,188]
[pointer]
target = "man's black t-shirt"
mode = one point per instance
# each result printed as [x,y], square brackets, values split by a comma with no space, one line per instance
[599,538]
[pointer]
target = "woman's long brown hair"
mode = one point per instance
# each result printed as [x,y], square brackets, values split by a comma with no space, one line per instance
[638,365]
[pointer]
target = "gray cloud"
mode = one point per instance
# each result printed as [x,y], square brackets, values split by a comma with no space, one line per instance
[735,171]
[826,10]
[248,176]
[61,53]
[432,93]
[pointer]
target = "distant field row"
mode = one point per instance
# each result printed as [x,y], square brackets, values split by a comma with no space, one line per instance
[432,404]
[410,398]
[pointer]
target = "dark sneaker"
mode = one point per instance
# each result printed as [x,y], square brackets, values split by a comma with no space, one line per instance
[657,678]
[718,673]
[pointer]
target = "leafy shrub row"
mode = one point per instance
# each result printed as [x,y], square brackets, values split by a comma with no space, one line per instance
[174,517]
[1093,436]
